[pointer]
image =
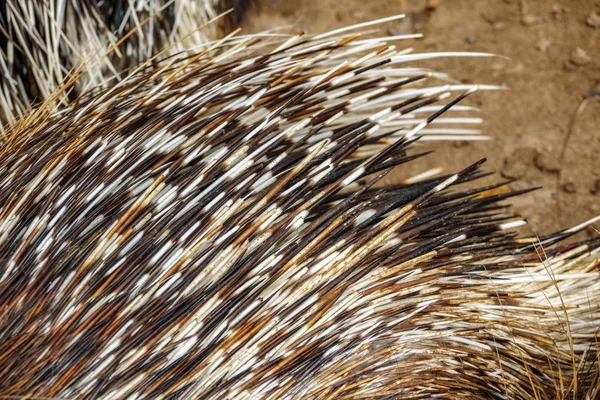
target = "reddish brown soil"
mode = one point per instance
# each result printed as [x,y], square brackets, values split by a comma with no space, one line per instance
[549,120]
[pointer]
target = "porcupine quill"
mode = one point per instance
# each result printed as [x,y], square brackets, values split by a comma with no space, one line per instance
[42,43]
[214,226]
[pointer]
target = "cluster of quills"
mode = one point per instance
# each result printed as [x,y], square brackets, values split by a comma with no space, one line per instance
[215,225]
[45,43]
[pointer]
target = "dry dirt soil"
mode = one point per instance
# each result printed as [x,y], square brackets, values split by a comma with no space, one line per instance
[546,129]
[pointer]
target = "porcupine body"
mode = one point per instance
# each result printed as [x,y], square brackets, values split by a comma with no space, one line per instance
[43,42]
[210,227]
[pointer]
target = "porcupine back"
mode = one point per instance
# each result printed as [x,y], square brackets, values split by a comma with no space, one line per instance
[210,228]
[43,42]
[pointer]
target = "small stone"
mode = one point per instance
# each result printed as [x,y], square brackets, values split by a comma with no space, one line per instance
[557,12]
[339,16]
[470,39]
[529,20]
[596,188]
[579,57]
[569,66]
[547,163]
[432,5]
[499,26]
[569,187]
[517,164]
[593,20]
[543,44]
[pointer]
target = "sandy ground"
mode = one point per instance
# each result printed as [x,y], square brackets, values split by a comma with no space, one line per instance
[546,129]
